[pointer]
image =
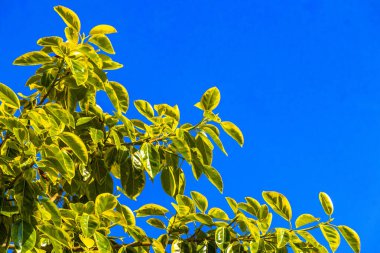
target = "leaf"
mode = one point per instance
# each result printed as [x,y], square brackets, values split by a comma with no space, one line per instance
[53,210]
[218,213]
[331,235]
[279,203]
[23,236]
[282,237]
[254,204]
[351,237]
[72,35]
[76,144]
[156,223]
[204,219]
[213,175]
[222,237]
[144,108]
[168,181]
[233,204]
[157,247]
[88,224]
[326,203]
[150,158]
[79,68]
[232,130]
[102,242]
[151,209]
[69,17]
[32,58]
[132,179]
[50,41]
[56,234]
[305,219]
[103,42]
[8,97]
[118,95]
[210,99]
[104,202]
[215,138]
[102,29]
[200,200]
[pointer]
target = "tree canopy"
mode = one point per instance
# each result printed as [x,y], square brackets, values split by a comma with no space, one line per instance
[62,160]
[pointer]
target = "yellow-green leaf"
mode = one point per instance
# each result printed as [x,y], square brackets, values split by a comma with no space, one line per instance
[76,144]
[23,236]
[214,177]
[222,237]
[103,29]
[151,209]
[8,97]
[156,223]
[331,235]
[69,17]
[102,242]
[50,41]
[232,130]
[200,200]
[56,234]
[218,213]
[351,237]
[210,99]
[79,68]
[103,42]
[305,219]
[326,203]
[279,203]
[104,202]
[88,224]
[118,95]
[144,108]
[32,58]
[150,158]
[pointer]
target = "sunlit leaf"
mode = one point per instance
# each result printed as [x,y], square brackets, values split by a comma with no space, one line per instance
[326,203]
[232,130]
[69,17]
[103,29]
[23,236]
[331,235]
[32,58]
[103,42]
[351,237]
[279,203]
[76,145]
[8,97]
[210,99]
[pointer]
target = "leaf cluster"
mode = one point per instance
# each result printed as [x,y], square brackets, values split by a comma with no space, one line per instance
[61,156]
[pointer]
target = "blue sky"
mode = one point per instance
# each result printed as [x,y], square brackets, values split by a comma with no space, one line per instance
[300,78]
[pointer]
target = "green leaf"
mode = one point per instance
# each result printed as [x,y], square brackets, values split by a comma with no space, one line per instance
[23,236]
[218,213]
[279,203]
[282,237]
[103,29]
[157,247]
[102,242]
[32,58]
[79,68]
[132,179]
[69,17]
[204,219]
[76,144]
[88,224]
[214,136]
[351,237]
[156,223]
[326,203]
[103,42]
[150,158]
[210,99]
[305,219]
[144,108]
[254,204]
[222,237]
[233,204]
[8,97]
[232,130]
[50,41]
[56,234]
[214,177]
[118,95]
[151,209]
[8,210]
[104,202]
[53,210]
[200,200]
[168,181]
[331,235]
[72,35]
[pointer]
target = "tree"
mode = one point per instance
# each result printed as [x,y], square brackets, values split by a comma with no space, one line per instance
[61,155]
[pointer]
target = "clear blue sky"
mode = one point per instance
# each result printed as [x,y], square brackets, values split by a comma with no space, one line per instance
[301,79]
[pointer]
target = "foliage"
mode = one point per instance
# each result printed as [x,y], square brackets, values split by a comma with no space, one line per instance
[61,155]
